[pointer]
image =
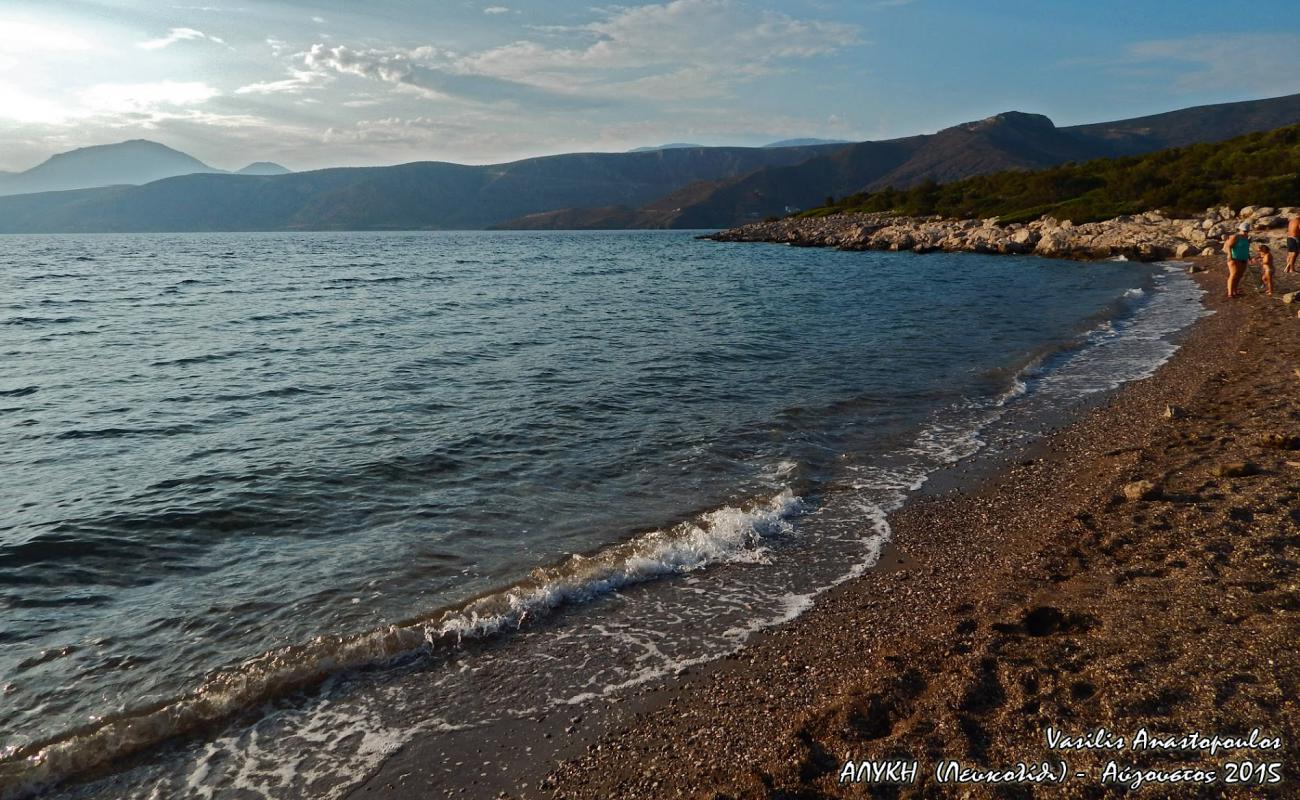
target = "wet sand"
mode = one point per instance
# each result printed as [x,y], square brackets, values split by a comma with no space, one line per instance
[1012,600]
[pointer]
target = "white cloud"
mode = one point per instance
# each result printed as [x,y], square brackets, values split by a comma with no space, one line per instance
[20,106]
[645,47]
[677,50]
[178,35]
[18,36]
[143,97]
[299,80]
[1245,62]
[432,73]
[496,10]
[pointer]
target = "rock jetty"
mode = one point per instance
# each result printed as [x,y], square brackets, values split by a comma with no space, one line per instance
[1152,236]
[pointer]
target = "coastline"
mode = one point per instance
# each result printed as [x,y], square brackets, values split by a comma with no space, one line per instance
[972,553]
[1141,237]
[995,613]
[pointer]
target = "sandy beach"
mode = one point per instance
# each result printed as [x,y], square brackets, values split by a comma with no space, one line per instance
[1040,595]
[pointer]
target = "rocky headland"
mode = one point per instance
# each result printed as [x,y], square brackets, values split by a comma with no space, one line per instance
[1152,236]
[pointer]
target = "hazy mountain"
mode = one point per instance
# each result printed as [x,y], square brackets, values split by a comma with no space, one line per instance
[806,142]
[134,162]
[673,146]
[263,168]
[703,187]
[426,195]
[782,143]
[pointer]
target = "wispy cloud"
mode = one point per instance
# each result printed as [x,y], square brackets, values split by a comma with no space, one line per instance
[299,80]
[650,49]
[427,71]
[178,35]
[144,97]
[496,10]
[1247,62]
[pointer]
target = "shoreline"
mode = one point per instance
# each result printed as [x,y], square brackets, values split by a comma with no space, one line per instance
[714,718]
[993,614]
[1142,237]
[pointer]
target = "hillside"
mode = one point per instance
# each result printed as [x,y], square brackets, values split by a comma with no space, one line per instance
[1255,169]
[1008,141]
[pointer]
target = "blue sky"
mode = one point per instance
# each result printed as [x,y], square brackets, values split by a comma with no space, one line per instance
[388,81]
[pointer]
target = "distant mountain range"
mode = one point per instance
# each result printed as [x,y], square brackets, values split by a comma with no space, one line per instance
[677,187]
[133,162]
[782,143]
[806,142]
[423,195]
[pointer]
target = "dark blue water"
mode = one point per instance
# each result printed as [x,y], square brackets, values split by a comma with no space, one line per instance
[217,447]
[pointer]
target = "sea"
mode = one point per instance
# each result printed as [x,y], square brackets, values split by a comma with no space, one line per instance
[263,497]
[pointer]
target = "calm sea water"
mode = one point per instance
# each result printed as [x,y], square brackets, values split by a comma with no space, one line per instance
[235,466]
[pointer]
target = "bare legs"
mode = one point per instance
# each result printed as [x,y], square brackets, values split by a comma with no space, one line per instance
[1236,269]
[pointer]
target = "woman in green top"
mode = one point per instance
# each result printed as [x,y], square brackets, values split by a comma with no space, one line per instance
[1238,249]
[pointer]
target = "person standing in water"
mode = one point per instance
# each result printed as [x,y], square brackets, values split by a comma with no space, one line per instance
[1238,249]
[1292,242]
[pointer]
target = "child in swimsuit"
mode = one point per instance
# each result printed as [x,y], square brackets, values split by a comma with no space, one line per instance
[1265,261]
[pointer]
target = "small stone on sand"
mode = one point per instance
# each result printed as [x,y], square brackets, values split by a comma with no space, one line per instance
[1236,469]
[1140,490]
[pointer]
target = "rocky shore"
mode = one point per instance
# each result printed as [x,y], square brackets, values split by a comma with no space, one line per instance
[1152,236]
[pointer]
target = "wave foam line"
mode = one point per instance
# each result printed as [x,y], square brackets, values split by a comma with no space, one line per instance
[724,535]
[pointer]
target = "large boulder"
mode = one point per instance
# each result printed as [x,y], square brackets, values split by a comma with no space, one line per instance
[1054,242]
[1025,236]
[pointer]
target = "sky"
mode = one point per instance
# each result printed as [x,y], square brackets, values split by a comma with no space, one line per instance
[346,83]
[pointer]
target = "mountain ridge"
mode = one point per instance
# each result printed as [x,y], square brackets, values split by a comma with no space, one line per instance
[418,195]
[678,187]
[1012,140]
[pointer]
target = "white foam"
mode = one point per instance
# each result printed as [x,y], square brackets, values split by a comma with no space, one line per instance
[725,535]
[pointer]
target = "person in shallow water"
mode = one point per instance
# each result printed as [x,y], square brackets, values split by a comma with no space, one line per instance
[1265,261]
[1292,242]
[1238,249]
